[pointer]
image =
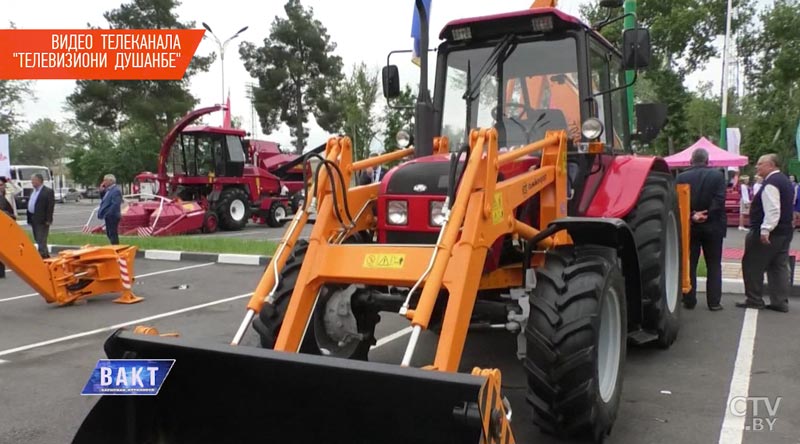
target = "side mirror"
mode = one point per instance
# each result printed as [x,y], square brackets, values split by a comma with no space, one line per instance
[635,48]
[391,81]
[611,3]
[650,120]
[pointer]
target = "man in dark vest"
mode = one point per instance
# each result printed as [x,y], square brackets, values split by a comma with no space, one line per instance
[708,226]
[766,246]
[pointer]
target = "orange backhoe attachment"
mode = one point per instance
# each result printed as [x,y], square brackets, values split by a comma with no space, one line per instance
[72,275]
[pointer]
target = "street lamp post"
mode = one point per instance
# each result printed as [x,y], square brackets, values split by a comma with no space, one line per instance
[222,46]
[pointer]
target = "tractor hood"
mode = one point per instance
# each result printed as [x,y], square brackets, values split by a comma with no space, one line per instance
[423,176]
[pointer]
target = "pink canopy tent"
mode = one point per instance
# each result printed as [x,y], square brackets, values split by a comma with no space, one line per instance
[717,157]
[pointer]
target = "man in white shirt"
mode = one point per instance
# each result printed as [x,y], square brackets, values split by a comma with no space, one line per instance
[767,243]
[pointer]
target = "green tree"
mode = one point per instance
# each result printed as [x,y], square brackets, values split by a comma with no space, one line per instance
[771,109]
[703,114]
[398,116]
[12,94]
[683,34]
[94,154]
[44,143]
[358,95]
[154,103]
[297,74]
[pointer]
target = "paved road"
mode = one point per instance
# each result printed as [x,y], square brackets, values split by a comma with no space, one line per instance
[677,395]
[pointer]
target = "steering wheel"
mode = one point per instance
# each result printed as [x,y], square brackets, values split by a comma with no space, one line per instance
[520,109]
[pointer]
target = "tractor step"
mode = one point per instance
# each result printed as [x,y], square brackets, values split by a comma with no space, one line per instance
[640,337]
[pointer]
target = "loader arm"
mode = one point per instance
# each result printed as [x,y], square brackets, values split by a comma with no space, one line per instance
[19,253]
[482,212]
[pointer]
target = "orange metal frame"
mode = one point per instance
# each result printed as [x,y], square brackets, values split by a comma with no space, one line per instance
[482,212]
[684,203]
[57,279]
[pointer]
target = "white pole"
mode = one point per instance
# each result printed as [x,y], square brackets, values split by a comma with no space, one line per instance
[724,116]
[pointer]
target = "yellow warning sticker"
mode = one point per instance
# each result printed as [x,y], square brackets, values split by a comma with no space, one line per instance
[188,206]
[394,261]
[497,208]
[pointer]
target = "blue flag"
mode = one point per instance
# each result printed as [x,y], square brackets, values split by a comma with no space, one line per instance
[415,31]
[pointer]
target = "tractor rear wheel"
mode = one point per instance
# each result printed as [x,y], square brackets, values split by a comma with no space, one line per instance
[233,208]
[656,229]
[576,342]
[335,326]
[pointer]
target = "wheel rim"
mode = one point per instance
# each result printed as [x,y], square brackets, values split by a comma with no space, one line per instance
[609,345]
[237,210]
[280,213]
[331,324]
[672,263]
[211,224]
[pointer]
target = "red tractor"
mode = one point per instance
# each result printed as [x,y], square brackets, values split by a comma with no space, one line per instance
[212,177]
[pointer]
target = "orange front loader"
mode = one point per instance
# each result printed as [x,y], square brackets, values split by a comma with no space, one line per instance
[560,238]
[72,275]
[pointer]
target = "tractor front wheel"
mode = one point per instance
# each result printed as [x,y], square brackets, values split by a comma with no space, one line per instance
[576,342]
[337,327]
[233,208]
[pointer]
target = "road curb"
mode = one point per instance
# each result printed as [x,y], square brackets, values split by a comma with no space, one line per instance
[172,255]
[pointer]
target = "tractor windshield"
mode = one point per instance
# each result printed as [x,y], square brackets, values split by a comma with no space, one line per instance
[530,89]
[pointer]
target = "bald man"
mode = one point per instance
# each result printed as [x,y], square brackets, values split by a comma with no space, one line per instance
[766,247]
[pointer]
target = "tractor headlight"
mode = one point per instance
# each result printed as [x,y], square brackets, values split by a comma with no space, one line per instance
[397,212]
[436,218]
[592,128]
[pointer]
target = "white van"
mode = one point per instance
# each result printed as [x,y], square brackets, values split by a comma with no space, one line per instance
[21,175]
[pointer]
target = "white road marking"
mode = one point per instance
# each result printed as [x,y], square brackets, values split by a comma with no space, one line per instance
[155,273]
[733,425]
[389,338]
[124,324]
[3,361]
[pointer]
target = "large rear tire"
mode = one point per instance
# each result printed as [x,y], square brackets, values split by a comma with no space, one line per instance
[233,208]
[576,342]
[656,229]
[317,340]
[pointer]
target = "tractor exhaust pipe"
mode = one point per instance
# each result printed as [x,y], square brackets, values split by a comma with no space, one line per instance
[423,121]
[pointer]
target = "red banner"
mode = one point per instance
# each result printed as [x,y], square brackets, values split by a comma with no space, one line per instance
[97,54]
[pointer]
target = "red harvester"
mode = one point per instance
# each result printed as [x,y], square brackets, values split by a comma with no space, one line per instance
[212,177]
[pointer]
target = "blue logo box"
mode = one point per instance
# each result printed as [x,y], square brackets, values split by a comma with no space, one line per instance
[142,377]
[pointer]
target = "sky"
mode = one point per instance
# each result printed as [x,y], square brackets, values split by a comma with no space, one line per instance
[383,26]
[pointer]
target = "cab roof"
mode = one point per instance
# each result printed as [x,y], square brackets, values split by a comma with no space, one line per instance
[488,26]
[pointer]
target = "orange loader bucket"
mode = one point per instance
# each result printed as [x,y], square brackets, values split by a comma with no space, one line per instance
[223,393]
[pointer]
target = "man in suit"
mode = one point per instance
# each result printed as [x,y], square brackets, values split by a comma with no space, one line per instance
[371,175]
[40,212]
[766,247]
[708,227]
[110,207]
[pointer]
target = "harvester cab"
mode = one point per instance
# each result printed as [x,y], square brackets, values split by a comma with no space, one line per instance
[519,207]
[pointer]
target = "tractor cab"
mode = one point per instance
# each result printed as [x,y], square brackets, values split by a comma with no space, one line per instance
[523,73]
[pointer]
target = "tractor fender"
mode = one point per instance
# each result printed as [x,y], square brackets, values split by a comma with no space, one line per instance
[621,185]
[613,233]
